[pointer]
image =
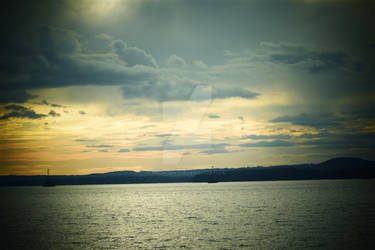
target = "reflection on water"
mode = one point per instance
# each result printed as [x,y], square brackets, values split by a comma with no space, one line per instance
[282,214]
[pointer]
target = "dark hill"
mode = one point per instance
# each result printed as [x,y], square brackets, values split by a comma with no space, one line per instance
[336,168]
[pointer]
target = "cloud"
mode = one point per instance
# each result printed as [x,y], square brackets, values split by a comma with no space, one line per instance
[219,151]
[57,105]
[44,102]
[99,146]
[320,120]
[265,137]
[180,147]
[176,61]
[164,135]
[276,143]
[164,91]
[21,112]
[81,112]
[221,93]
[103,150]
[123,150]
[16,108]
[132,55]
[53,113]
[200,64]
[56,57]
[14,94]
[84,140]
[341,141]
[213,116]
[313,58]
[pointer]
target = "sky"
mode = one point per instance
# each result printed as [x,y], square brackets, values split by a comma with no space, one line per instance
[92,86]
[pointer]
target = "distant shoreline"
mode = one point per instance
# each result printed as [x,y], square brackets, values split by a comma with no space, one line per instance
[337,168]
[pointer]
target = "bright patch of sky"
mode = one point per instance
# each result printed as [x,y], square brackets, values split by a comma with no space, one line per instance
[98,86]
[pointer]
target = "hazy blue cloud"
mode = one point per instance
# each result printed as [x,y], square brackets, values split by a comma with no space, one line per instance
[220,93]
[123,150]
[312,120]
[265,137]
[276,143]
[176,61]
[219,151]
[99,146]
[314,59]
[57,105]
[165,135]
[341,141]
[132,55]
[163,92]
[84,140]
[180,147]
[213,116]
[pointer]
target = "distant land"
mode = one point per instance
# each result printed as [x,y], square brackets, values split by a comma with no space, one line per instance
[337,168]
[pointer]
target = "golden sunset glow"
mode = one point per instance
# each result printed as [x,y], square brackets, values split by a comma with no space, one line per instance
[161,85]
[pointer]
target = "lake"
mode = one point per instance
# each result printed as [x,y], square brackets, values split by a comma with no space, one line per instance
[318,214]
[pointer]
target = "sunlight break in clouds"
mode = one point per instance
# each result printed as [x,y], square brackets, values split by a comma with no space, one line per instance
[98,86]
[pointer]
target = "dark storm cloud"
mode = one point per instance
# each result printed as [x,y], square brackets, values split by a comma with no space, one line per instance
[57,57]
[21,112]
[311,120]
[17,95]
[367,111]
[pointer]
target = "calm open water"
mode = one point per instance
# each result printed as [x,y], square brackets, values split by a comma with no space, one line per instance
[324,214]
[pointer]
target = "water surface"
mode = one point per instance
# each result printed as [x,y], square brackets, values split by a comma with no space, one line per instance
[326,214]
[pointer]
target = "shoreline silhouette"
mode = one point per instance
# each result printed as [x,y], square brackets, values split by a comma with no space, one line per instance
[337,168]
